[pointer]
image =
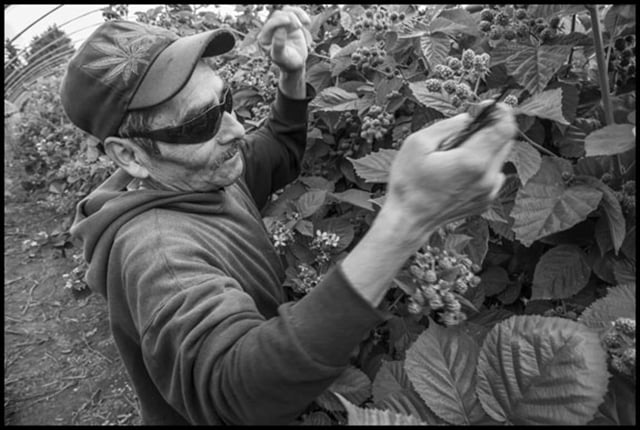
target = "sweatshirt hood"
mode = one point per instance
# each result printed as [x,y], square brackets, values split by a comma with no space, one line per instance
[100,215]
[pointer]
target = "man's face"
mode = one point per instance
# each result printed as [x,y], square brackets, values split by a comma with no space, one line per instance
[202,166]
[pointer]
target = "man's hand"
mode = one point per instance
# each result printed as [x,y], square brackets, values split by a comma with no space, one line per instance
[430,188]
[286,37]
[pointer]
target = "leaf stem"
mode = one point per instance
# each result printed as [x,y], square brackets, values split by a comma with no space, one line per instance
[537,146]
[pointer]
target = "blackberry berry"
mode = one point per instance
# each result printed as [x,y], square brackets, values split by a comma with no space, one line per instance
[468,57]
[486,15]
[509,34]
[521,14]
[502,19]
[554,22]
[450,86]
[484,26]
[454,63]
[620,44]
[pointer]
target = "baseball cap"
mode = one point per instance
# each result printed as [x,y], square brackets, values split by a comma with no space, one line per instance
[126,65]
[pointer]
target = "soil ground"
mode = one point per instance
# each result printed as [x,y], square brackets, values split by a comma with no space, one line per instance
[61,366]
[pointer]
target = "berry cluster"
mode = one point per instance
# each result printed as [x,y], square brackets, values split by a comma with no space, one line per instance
[307,278]
[367,59]
[260,111]
[451,76]
[441,276]
[324,243]
[376,124]
[378,19]
[349,141]
[622,60]
[281,236]
[511,100]
[620,343]
[627,196]
[257,73]
[509,23]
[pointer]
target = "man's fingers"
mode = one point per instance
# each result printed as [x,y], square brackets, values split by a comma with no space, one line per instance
[301,14]
[434,134]
[279,41]
[279,19]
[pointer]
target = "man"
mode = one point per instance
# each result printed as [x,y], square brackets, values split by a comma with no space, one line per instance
[175,239]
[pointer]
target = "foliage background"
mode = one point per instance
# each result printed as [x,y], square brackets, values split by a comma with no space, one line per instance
[554,255]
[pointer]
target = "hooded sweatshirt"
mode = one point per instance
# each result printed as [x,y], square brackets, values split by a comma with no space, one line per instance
[194,292]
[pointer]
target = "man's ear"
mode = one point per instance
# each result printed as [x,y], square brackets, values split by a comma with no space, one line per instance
[128,156]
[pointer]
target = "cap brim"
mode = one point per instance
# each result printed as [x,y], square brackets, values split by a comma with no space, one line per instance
[173,67]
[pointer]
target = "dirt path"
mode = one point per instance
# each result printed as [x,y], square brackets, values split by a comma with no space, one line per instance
[60,362]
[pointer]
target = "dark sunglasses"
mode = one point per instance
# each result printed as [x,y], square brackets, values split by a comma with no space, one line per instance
[197,130]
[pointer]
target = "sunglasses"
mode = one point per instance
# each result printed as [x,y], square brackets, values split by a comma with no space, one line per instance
[197,130]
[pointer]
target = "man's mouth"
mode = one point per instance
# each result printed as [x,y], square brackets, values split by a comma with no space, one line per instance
[229,153]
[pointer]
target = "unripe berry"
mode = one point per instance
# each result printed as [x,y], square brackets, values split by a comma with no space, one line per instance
[606,177]
[612,340]
[495,34]
[509,34]
[501,19]
[511,100]
[463,91]
[629,357]
[450,86]
[522,30]
[484,26]
[467,58]
[486,15]
[445,72]
[430,276]
[521,14]
[547,34]
[626,326]
[620,44]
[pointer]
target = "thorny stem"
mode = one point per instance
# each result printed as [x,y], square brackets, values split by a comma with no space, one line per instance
[535,145]
[570,60]
[603,74]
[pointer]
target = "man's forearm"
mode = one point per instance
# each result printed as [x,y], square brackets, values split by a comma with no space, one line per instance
[374,262]
[292,84]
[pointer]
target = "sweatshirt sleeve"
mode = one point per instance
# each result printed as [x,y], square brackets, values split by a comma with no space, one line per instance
[274,152]
[215,358]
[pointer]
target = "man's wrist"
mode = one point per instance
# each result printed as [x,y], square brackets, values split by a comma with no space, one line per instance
[292,84]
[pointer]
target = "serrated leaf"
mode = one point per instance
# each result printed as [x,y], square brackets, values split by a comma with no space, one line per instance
[546,205]
[572,142]
[494,279]
[361,416]
[408,402]
[534,66]
[436,101]
[620,302]
[561,272]
[318,418]
[355,197]
[612,211]
[435,48]
[610,140]
[391,378]
[305,227]
[317,183]
[353,384]
[441,367]
[535,370]
[332,96]
[526,159]
[456,242]
[547,104]
[477,247]
[310,202]
[375,167]
[624,271]
[551,9]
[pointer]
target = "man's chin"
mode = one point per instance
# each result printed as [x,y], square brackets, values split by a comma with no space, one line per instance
[229,172]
